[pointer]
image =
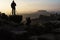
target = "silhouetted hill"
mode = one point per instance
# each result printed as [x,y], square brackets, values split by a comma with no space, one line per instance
[44,26]
[36,14]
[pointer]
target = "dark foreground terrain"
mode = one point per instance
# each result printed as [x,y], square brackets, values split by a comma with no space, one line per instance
[46,28]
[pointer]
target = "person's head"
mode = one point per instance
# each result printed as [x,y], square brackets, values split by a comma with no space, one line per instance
[13,1]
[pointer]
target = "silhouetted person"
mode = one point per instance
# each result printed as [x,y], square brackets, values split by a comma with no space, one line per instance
[28,21]
[13,4]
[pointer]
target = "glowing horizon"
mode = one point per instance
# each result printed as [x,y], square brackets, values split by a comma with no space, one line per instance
[24,6]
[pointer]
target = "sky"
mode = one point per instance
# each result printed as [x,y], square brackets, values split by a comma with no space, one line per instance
[25,6]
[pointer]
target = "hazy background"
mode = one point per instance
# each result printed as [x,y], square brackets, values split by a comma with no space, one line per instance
[27,6]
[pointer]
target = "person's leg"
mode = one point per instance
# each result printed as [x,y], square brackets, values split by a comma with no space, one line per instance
[12,11]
